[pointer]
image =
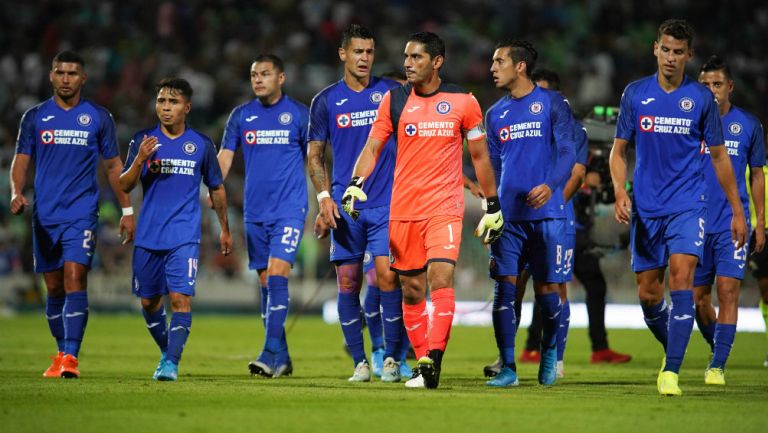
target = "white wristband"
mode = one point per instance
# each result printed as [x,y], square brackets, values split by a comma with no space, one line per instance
[128,211]
[323,194]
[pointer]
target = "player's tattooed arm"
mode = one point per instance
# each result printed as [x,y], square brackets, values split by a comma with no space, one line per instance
[19,168]
[219,198]
[318,174]
[757,184]
[113,167]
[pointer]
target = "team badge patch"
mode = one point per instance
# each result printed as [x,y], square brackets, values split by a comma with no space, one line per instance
[285,118]
[536,107]
[735,128]
[343,120]
[646,123]
[250,137]
[686,104]
[375,97]
[410,129]
[189,148]
[154,166]
[443,107]
[504,134]
[84,119]
[367,257]
[46,136]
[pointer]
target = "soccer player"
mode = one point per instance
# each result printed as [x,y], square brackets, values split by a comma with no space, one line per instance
[668,115]
[430,120]
[272,131]
[65,136]
[721,261]
[759,260]
[342,114]
[171,159]
[531,145]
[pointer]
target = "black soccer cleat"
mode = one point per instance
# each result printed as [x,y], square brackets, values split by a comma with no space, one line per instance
[429,367]
[259,368]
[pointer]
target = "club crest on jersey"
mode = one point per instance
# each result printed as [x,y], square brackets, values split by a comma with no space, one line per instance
[285,118]
[84,119]
[536,107]
[250,137]
[375,97]
[343,120]
[367,257]
[686,104]
[734,128]
[443,107]
[411,130]
[46,136]
[504,134]
[189,148]
[646,123]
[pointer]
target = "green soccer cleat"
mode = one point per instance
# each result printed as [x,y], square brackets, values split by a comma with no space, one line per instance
[714,376]
[667,384]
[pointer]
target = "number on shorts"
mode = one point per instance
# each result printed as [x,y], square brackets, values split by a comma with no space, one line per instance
[450,234]
[192,267]
[88,241]
[568,258]
[290,236]
[701,228]
[740,254]
[559,259]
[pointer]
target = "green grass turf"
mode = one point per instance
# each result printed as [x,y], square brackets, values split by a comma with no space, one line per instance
[215,392]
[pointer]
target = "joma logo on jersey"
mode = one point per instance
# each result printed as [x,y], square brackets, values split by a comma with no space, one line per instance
[343,120]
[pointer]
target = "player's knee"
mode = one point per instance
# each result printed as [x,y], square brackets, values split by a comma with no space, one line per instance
[412,295]
[728,295]
[151,304]
[648,296]
[680,279]
[181,303]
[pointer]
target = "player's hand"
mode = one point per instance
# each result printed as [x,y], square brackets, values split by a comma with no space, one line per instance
[148,146]
[329,213]
[739,230]
[622,207]
[475,190]
[18,204]
[759,240]
[225,242]
[354,192]
[127,228]
[321,228]
[491,224]
[539,196]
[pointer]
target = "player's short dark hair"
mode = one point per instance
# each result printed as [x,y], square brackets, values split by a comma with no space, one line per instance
[715,63]
[521,51]
[678,29]
[355,31]
[547,75]
[68,57]
[178,84]
[276,61]
[433,45]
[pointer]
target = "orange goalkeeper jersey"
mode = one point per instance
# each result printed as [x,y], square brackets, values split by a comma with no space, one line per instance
[430,136]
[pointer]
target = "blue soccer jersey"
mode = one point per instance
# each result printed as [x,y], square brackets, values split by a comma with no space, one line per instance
[170,180]
[344,117]
[274,142]
[745,144]
[531,142]
[65,146]
[667,129]
[582,153]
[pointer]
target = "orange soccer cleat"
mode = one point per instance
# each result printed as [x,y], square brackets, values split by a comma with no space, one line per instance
[55,369]
[530,356]
[69,367]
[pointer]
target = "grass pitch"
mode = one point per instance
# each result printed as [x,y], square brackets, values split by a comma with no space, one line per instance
[215,393]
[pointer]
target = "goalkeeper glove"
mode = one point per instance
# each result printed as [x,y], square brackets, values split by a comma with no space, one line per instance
[492,223]
[354,192]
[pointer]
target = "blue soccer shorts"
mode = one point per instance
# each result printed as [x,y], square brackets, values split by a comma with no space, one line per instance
[541,244]
[157,272]
[278,239]
[654,239]
[720,258]
[54,244]
[351,239]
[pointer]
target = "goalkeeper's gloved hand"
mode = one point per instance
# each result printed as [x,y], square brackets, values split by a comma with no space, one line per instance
[354,192]
[492,223]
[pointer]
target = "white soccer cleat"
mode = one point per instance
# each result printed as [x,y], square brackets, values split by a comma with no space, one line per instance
[416,381]
[560,369]
[362,372]
[390,372]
